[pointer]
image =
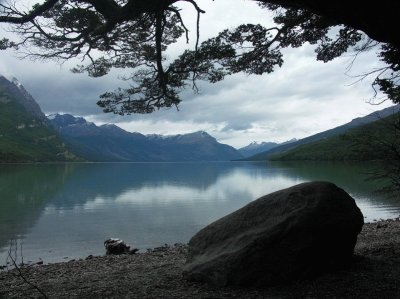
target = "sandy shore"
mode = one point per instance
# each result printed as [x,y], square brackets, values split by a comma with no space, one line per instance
[375,273]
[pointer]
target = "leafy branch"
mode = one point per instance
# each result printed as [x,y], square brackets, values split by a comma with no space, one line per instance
[134,34]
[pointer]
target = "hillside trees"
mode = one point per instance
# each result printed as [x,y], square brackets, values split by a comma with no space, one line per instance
[134,34]
[386,142]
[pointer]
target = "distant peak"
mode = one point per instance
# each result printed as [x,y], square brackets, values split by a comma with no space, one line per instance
[66,119]
[52,116]
[291,140]
[16,83]
[111,127]
[202,133]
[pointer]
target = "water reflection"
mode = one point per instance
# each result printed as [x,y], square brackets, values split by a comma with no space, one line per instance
[352,177]
[25,191]
[68,210]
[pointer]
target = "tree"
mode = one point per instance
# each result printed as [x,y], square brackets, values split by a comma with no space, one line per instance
[390,172]
[135,33]
[383,143]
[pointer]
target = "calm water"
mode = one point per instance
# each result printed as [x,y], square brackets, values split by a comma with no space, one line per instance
[65,211]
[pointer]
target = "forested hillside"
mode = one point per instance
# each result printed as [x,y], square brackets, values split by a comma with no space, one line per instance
[25,135]
[374,141]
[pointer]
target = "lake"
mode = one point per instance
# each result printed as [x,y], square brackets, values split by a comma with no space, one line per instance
[58,212]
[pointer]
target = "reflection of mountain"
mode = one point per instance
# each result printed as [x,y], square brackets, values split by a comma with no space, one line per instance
[72,208]
[24,192]
[55,191]
[112,179]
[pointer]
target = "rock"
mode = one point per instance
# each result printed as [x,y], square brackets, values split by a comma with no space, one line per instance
[382,225]
[117,246]
[133,251]
[290,234]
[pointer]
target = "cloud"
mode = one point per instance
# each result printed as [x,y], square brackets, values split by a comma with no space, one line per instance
[301,98]
[238,126]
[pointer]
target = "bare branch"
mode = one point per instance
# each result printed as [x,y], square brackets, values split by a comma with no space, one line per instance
[13,257]
[177,13]
[199,10]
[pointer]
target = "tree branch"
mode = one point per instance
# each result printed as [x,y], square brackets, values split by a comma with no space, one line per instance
[37,11]
[18,269]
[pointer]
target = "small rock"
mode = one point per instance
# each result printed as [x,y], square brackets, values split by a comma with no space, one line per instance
[133,251]
[117,246]
[165,247]
[382,225]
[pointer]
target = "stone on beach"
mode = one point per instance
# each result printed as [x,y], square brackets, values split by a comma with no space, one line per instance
[117,246]
[289,234]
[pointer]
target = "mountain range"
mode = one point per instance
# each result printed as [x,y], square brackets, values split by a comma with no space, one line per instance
[256,148]
[111,143]
[360,123]
[378,140]
[27,135]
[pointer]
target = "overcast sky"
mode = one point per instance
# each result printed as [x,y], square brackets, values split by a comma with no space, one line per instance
[302,98]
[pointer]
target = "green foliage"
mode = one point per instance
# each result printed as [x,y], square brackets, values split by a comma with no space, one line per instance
[5,43]
[134,34]
[24,138]
[375,141]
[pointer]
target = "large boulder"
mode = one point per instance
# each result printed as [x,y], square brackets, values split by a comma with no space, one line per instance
[289,234]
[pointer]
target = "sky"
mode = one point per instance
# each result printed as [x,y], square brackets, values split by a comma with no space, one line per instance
[301,98]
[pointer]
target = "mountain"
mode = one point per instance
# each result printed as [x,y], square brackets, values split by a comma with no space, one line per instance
[103,143]
[373,141]
[256,148]
[25,132]
[357,122]
[198,146]
[26,100]
[111,143]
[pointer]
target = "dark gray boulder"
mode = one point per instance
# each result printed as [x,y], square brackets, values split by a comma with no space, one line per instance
[289,234]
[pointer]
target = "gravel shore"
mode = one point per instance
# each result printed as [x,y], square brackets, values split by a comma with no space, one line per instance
[374,273]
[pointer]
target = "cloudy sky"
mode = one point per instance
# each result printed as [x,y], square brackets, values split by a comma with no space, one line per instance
[302,98]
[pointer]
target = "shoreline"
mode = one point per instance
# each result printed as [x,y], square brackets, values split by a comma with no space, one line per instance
[41,261]
[374,273]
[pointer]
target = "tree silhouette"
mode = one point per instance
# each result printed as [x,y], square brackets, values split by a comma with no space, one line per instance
[134,34]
